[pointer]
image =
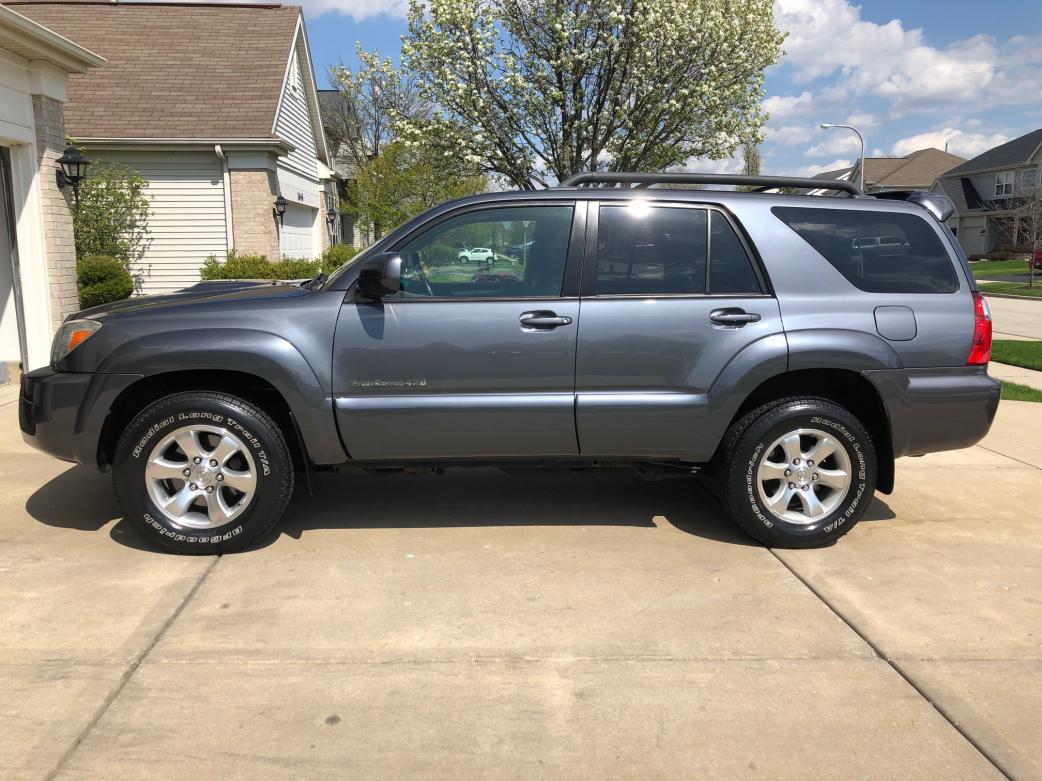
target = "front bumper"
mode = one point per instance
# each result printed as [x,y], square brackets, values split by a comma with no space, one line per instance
[937,409]
[63,413]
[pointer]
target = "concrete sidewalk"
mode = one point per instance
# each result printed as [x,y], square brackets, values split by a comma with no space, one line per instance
[1006,373]
[477,624]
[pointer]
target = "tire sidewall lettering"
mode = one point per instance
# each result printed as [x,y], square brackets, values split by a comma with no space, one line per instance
[855,496]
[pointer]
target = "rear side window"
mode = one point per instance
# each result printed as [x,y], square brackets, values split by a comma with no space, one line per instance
[730,270]
[650,250]
[878,252]
[662,250]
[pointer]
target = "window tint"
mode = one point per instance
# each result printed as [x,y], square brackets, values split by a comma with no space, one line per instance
[650,250]
[730,269]
[515,251]
[878,252]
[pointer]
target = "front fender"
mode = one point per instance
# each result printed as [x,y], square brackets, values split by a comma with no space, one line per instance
[272,358]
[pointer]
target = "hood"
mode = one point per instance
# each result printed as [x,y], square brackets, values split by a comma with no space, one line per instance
[221,290]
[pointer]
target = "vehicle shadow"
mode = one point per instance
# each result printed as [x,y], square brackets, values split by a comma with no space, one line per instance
[82,499]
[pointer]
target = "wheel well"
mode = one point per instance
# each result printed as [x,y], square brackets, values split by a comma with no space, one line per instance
[248,387]
[848,389]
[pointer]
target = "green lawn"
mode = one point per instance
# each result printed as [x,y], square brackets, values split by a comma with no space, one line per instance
[982,269]
[1027,355]
[1015,392]
[1014,288]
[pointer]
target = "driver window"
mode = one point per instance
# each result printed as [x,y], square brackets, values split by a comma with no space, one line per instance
[507,252]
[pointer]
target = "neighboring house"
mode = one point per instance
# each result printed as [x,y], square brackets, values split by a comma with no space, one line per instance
[37,257]
[216,106]
[977,187]
[915,171]
[348,229]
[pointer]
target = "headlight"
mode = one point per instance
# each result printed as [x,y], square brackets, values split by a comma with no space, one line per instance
[70,336]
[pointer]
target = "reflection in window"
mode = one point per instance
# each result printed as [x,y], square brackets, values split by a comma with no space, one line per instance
[650,250]
[507,252]
[879,252]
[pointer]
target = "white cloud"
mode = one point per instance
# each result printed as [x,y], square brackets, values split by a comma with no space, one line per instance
[816,168]
[838,141]
[959,142]
[783,106]
[789,135]
[829,36]
[356,9]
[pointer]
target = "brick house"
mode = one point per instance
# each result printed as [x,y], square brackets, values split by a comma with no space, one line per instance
[37,258]
[216,107]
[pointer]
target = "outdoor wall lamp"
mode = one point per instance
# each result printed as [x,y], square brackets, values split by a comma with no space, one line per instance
[331,216]
[280,208]
[73,169]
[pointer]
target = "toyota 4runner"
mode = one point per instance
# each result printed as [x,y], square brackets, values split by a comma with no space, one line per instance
[790,346]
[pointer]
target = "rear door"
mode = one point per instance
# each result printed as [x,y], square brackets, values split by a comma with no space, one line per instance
[467,360]
[670,296]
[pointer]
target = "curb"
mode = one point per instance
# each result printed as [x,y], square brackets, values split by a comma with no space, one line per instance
[985,292]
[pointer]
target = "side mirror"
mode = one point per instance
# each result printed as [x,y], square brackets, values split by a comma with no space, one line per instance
[380,276]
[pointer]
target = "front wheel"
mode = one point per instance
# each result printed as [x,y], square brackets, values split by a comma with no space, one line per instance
[800,472]
[203,472]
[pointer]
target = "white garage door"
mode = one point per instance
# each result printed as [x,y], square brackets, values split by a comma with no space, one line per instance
[187,223]
[297,235]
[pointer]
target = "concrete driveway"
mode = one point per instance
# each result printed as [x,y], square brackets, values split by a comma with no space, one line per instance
[478,625]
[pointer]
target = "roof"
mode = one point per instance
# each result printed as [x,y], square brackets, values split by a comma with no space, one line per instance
[1015,152]
[918,169]
[174,71]
[28,39]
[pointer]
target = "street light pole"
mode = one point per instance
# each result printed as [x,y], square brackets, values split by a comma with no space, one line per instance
[861,138]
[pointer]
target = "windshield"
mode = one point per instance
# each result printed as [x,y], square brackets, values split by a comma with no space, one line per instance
[329,281]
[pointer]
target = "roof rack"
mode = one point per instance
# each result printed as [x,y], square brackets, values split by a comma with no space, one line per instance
[765,182]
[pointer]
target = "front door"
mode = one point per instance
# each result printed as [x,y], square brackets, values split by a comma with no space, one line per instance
[670,297]
[472,359]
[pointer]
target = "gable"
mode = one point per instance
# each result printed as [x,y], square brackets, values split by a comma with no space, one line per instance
[297,120]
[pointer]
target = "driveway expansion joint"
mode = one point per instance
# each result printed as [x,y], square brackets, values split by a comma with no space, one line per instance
[1002,765]
[129,672]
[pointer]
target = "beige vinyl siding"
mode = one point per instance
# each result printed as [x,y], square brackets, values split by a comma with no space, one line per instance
[294,123]
[187,221]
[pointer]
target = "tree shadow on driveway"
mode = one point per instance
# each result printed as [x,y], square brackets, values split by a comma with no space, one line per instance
[82,499]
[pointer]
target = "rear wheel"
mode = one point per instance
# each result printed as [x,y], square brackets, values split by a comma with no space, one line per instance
[203,472]
[800,472]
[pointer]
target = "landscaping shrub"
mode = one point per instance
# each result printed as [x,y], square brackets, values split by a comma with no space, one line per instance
[999,255]
[336,256]
[260,267]
[101,280]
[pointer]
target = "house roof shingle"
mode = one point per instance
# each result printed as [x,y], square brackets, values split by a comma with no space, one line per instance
[917,169]
[173,71]
[1011,153]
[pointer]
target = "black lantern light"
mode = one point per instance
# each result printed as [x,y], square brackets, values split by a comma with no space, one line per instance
[280,207]
[73,169]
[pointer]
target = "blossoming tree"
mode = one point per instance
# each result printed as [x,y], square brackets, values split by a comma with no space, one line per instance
[537,90]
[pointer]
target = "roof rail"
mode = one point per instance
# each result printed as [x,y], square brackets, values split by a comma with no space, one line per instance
[646,180]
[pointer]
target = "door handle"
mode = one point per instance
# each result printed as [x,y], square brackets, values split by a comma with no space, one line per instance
[543,320]
[735,318]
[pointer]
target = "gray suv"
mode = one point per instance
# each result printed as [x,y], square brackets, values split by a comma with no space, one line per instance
[789,347]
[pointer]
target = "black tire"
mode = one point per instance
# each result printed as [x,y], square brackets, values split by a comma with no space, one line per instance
[743,452]
[260,436]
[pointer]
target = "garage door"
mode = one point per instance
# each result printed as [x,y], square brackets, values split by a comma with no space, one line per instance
[297,236]
[187,221]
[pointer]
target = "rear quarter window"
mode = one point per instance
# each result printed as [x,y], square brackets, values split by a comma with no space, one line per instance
[878,252]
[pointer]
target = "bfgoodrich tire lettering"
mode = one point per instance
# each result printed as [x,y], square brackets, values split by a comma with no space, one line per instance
[800,507]
[261,468]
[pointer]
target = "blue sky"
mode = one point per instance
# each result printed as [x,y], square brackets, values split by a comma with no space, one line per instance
[909,73]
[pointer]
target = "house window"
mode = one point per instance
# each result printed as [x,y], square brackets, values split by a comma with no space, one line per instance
[1028,179]
[1004,183]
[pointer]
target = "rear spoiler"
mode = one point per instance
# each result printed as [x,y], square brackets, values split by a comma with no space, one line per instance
[940,206]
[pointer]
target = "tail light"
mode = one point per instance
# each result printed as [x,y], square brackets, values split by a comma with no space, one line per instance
[980,350]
